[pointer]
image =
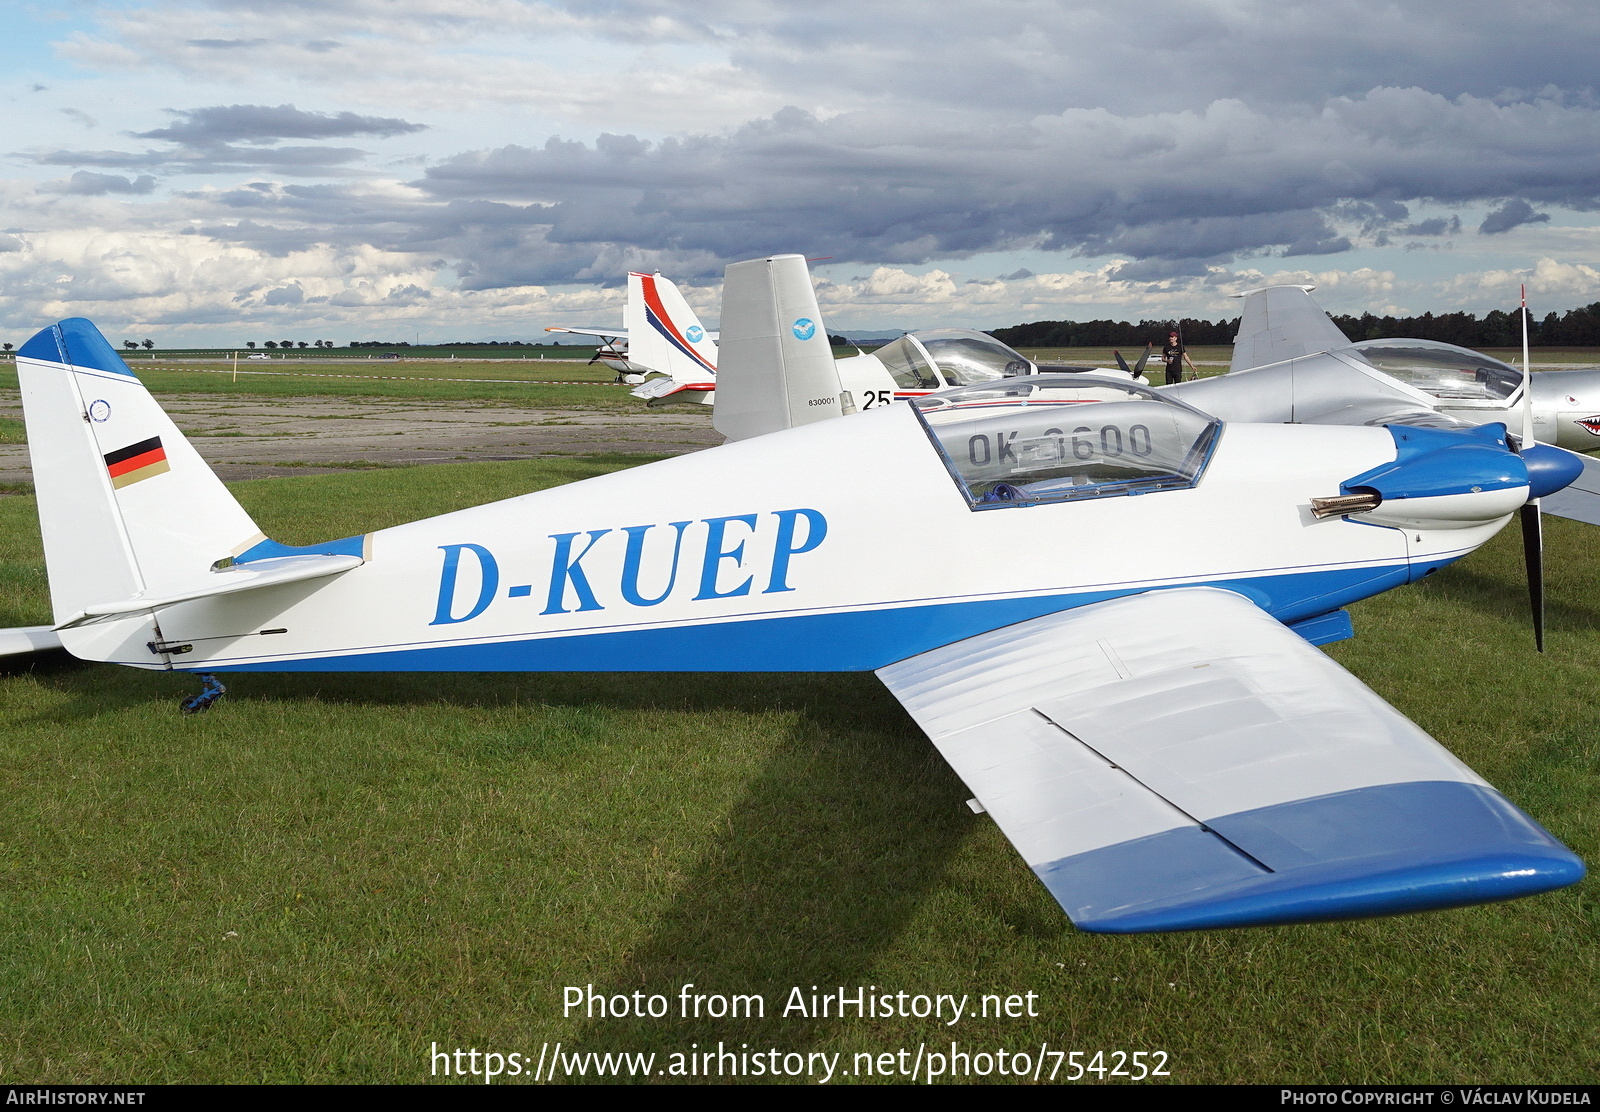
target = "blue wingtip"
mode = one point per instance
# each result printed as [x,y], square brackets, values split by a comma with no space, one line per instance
[1390,849]
[78,343]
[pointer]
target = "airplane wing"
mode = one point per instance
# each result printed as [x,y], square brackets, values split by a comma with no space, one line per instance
[1581,500]
[1282,322]
[1180,759]
[603,333]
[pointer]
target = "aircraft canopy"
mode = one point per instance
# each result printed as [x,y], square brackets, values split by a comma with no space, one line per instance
[1447,372]
[962,358]
[1054,438]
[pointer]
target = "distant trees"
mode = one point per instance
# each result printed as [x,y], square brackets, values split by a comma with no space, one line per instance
[1575,328]
[131,345]
[251,344]
[148,344]
[1496,328]
[5,347]
[1114,333]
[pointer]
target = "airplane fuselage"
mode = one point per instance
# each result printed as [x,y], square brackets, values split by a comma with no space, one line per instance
[842,545]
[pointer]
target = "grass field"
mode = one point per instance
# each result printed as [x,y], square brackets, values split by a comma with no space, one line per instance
[328,874]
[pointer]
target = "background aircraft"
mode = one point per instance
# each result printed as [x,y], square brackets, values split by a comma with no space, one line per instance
[1291,363]
[660,334]
[1286,339]
[1166,752]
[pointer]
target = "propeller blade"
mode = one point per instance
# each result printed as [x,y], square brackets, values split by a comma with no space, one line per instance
[1121,362]
[1533,555]
[1138,368]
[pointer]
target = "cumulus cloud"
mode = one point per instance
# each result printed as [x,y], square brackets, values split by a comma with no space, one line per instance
[1512,214]
[1185,139]
[88,184]
[1175,192]
[1022,56]
[236,138]
[260,123]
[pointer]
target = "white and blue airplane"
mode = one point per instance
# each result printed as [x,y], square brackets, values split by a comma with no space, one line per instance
[1166,751]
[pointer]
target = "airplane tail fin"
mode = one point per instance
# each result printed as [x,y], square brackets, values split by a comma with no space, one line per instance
[778,369]
[665,335]
[1281,322]
[131,516]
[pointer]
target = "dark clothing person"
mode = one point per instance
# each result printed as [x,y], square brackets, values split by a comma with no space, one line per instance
[1172,355]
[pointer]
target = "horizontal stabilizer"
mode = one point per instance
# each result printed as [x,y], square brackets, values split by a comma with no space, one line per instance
[28,639]
[661,387]
[1180,760]
[1580,500]
[271,572]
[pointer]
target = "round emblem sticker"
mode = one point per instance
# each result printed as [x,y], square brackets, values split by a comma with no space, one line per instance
[805,328]
[99,410]
[695,333]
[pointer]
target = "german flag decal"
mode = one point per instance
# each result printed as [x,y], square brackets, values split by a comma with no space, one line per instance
[137,462]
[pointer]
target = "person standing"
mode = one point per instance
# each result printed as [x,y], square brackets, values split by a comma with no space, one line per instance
[1175,355]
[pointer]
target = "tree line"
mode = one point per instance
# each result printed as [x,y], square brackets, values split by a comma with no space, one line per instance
[1574,328]
[1114,333]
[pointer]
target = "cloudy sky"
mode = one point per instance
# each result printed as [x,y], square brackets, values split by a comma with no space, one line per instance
[212,172]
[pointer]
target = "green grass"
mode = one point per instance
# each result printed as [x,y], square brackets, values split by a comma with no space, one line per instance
[327,874]
[421,382]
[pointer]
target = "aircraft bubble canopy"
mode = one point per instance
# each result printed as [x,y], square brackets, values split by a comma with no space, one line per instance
[1452,374]
[962,358]
[1053,438]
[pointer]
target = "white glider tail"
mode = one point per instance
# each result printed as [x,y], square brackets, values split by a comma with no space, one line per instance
[116,545]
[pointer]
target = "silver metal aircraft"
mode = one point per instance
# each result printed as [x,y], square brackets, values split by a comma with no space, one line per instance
[1291,363]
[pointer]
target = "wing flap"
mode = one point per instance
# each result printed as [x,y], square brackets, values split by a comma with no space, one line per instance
[1180,759]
